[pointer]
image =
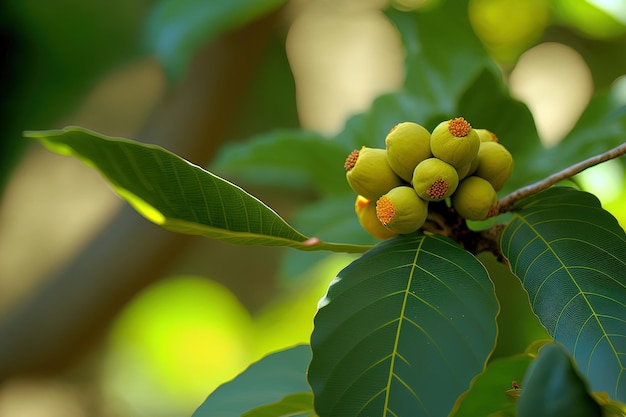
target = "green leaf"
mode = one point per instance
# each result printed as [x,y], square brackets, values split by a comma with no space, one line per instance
[553,387]
[402,330]
[492,392]
[443,54]
[175,29]
[570,255]
[287,158]
[267,381]
[178,195]
[290,405]
[371,127]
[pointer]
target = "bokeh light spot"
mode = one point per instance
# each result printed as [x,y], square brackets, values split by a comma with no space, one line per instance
[174,344]
[556,84]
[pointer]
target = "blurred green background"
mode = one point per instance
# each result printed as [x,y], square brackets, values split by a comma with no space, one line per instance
[101,313]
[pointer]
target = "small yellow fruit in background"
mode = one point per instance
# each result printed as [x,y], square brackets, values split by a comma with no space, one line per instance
[366,213]
[401,210]
[369,174]
[475,199]
[407,145]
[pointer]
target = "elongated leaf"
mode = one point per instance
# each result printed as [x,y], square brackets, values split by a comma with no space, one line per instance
[402,330]
[265,382]
[178,195]
[291,405]
[175,29]
[570,255]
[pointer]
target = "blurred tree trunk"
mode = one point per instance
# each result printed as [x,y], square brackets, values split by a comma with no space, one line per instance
[65,317]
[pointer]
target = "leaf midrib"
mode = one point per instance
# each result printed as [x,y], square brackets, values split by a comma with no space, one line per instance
[396,341]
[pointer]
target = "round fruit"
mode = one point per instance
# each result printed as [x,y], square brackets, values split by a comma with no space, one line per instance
[434,179]
[407,145]
[455,142]
[475,199]
[486,135]
[366,213]
[369,174]
[467,169]
[495,164]
[401,210]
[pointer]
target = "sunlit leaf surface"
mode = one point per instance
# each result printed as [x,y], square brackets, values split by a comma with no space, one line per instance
[570,255]
[402,330]
[179,195]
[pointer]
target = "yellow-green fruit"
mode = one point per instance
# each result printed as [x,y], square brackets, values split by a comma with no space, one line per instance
[434,180]
[495,164]
[486,135]
[407,145]
[455,142]
[369,173]
[465,170]
[366,213]
[401,210]
[475,199]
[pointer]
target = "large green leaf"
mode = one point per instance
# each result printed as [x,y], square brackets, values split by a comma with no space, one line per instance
[175,29]
[178,195]
[570,255]
[402,330]
[267,381]
[443,54]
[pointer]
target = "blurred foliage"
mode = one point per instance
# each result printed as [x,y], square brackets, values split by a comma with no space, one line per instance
[176,29]
[57,51]
[54,53]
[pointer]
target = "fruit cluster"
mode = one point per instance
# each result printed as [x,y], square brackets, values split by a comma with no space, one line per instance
[455,161]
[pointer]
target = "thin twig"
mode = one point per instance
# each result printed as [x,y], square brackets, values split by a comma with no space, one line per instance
[507,202]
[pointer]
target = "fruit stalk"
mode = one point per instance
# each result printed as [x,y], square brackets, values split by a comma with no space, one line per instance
[507,202]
